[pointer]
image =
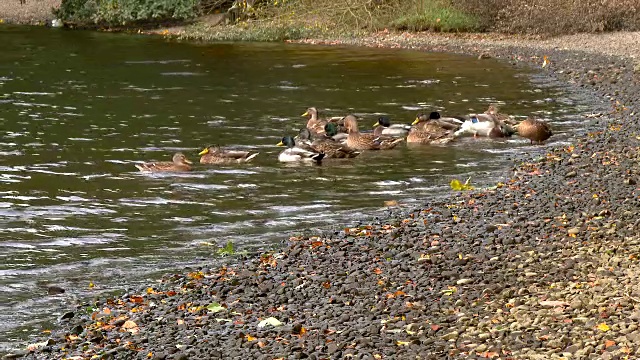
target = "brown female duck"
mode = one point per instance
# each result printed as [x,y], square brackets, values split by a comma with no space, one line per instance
[219,156]
[433,129]
[534,130]
[179,163]
[317,125]
[331,148]
[369,141]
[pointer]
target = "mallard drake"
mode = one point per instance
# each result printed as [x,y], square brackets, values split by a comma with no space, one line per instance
[332,130]
[433,129]
[331,148]
[178,163]
[484,125]
[358,141]
[384,127]
[534,130]
[219,156]
[294,153]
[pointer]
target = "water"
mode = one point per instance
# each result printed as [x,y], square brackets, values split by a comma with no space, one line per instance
[78,109]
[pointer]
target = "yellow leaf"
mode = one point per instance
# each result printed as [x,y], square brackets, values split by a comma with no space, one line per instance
[403,343]
[250,338]
[91,285]
[604,327]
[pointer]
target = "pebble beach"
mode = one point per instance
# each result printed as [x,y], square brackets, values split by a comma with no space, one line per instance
[544,265]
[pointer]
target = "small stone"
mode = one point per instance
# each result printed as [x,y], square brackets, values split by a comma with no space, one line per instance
[572,348]
[464,281]
[17,354]
[67,315]
[481,348]
[181,356]
[55,290]
[530,274]
[450,336]
[571,174]
[629,181]
[573,231]
[576,304]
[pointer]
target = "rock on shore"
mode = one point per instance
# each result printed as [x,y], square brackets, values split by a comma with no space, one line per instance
[544,266]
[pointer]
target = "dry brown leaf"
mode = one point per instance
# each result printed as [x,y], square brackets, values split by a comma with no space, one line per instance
[609,343]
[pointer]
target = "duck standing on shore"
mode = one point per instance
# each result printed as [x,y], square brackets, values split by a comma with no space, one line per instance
[294,153]
[369,141]
[534,130]
[179,163]
[219,156]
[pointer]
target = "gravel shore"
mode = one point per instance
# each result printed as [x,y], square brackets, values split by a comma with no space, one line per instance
[544,266]
[32,12]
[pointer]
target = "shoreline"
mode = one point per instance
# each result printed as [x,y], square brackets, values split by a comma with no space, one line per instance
[539,268]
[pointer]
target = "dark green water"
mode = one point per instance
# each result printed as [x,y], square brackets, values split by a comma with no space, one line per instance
[78,109]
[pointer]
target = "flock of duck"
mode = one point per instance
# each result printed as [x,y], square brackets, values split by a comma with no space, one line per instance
[340,138]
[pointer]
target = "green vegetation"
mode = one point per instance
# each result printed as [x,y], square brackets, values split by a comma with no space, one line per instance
[125,12]
[436,16]
[276,20]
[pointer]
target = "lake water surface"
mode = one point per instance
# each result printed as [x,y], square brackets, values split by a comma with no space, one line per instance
[78,109]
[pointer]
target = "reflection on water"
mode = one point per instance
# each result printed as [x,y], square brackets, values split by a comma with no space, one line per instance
[79,109]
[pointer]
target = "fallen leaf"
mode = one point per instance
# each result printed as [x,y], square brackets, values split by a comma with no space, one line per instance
[250,338]
[316,244]
[609,343]
[136,299]
[391,203]
[269,321]
[489,354]
[435,327]
[36,346]
[545,61]
[131,326]
[377,271]
[403,343]
[604,327]
[214,307]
